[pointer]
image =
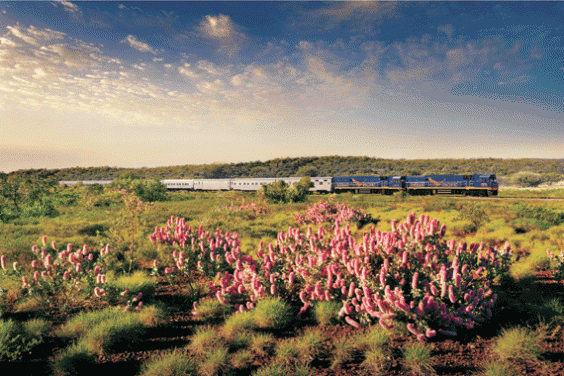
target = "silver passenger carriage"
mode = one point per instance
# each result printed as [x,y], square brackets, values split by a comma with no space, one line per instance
[178,184]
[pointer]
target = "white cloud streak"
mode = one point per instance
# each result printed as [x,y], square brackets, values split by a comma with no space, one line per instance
[135,43]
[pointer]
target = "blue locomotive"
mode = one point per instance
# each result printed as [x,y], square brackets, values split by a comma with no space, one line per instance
[471,185]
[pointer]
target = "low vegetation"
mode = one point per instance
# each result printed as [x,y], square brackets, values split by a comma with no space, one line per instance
[245,285]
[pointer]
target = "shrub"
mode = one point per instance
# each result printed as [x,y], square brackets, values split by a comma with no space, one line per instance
[409,275]
[63,280]
[495,368]
[271,370]
[136,284]
[556,265]
[174,363]
[241,359]
[287,352]
[216,362]
[240,322]
[309,345]
[333,213]
[526,179]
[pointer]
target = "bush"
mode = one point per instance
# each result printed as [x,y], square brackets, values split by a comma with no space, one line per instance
[281,193]
[526,179]
[409,275]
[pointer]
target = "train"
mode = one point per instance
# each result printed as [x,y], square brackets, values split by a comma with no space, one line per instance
[468,185]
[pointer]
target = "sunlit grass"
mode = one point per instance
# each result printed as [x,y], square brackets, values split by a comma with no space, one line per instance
[417,359]
[174,363]
[520,343]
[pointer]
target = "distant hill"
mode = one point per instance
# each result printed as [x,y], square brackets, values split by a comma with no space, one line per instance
[314,166]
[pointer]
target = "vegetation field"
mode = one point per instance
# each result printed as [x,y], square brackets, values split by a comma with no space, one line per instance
[132,280]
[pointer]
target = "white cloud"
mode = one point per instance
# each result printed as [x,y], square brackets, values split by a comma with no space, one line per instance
[70,7]
[186,71]
[39,73]
[138,45]
[7,42]
[224,31]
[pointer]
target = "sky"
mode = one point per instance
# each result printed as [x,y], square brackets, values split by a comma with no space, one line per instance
[146,84]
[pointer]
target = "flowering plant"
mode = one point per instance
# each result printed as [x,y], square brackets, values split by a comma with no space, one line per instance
[409,274]
[557,265]
[62,280]
[333,213]
[251,210]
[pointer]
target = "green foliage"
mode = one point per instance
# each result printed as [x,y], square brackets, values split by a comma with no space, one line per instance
[281,193]
[342,351]
[526,179]
[216,362]
[550,217]
[474,213]
[18,340]
[174,363]
[26,195]
[150,190]
[325,166]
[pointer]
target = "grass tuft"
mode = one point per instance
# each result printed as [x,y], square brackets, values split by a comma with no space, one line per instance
[327,312]
[273,313]
[211,311]
[520,343]
[343,349]
[271,370]
[76,359]
[495,368]
[417,359]
[216,362]
[262,343]
[175,363]
[204,340]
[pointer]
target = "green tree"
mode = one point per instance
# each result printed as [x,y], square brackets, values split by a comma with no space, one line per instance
[281,193]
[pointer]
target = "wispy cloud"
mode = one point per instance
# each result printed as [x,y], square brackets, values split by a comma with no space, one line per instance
[135,43]
[363,15]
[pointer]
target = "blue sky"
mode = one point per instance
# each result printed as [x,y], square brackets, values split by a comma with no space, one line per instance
[135,84]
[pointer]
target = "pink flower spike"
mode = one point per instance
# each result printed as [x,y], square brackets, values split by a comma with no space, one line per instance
[352,322]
